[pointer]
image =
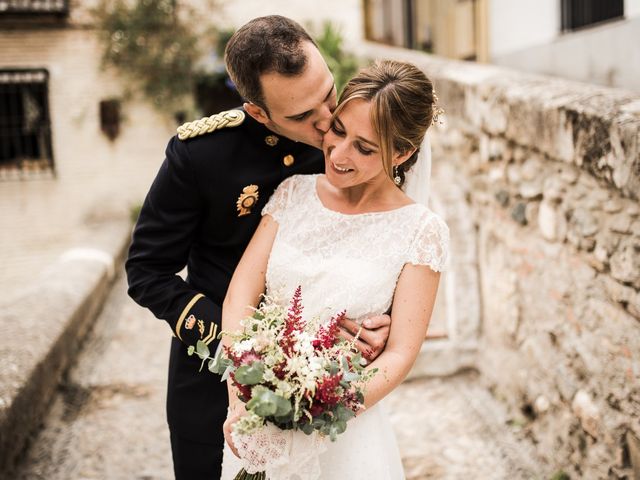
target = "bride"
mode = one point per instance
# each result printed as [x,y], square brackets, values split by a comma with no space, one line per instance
[352,239]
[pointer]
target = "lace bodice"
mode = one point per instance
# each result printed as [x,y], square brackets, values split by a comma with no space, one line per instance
[346,261]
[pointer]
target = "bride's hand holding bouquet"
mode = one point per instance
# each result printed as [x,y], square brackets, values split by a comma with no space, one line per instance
[288,374]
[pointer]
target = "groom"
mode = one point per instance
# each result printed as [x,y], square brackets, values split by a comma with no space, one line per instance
[204,206]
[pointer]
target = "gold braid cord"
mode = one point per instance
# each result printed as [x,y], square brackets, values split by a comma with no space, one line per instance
[230,118]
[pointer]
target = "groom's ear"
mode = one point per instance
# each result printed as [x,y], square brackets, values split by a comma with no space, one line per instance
[256,112]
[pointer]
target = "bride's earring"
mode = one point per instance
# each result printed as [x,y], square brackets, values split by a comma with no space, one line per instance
[396,176]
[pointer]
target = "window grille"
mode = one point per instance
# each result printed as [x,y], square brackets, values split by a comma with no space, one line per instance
[581,13]
[25,127]
[58,7]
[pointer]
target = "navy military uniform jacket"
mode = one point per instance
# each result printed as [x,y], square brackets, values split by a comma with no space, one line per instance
[201,211]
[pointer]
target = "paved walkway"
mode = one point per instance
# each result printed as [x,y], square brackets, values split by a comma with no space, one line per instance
[108,419]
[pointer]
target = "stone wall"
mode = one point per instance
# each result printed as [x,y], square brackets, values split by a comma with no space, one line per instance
[551,173]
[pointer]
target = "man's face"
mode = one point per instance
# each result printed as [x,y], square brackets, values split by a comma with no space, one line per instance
[300,106]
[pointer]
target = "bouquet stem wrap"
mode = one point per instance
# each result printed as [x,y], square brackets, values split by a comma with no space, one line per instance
[274,452]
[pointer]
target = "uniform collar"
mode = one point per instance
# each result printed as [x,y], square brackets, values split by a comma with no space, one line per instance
[259,133]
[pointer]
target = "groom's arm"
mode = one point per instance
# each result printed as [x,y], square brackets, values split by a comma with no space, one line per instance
[160,247]
[373,336]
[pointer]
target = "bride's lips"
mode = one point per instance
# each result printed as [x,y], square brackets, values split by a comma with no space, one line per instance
[340,170]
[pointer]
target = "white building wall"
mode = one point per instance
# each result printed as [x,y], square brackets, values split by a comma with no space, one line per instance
[347,14]
[605,54]
[631,8]
[518,24]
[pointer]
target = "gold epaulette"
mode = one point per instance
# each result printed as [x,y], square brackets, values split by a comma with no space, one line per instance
[230,118]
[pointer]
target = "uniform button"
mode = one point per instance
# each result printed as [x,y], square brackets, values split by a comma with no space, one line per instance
[288,160]
[271,140]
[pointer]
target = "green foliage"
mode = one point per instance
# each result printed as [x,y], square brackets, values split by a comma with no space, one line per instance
[266,403]
[343,65]
[134,212]
[155,47]
[250,374]
[560,476]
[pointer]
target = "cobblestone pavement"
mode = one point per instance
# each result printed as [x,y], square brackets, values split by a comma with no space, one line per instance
[107,422]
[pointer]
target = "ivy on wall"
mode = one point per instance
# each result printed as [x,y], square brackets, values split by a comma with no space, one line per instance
[153,43]
[155,46]
[342,64]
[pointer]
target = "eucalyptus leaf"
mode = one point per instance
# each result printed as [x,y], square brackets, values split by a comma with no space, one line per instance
[349,377]
[202,349]
[250,374]
[343,413]
[220,363]
[190,350]
[307,428]
[345,364]
[226,373]
[266,403]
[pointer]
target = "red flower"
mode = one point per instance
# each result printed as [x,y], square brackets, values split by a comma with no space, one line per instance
[293,323]
[280,370]
[326,391]
[328,334]
[245,390]
[316,410]
[231,355]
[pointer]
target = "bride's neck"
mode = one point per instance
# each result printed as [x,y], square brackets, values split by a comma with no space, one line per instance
[378,194]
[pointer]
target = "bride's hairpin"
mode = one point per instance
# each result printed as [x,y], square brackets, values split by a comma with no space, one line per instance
[437,111]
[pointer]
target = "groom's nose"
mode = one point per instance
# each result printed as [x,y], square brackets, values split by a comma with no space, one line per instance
[324,119]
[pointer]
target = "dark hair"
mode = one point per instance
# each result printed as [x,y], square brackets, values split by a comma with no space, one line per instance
[402,107]
[271,44]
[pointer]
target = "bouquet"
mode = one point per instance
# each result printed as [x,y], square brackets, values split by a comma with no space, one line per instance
[292,374]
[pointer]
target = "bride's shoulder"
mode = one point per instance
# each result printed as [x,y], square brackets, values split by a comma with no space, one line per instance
[431,242]
[427,219]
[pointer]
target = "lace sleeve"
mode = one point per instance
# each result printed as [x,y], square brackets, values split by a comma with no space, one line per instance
[280,199]
[431,245]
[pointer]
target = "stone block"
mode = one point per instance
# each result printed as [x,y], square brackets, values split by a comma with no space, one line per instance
[554,188]
[612,206]
[633,449]
[625,262]
[620,223]
[587,412]
[551,222]
[531,189]
[583,222]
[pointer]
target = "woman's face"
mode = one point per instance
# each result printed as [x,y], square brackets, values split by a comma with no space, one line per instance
[351,151]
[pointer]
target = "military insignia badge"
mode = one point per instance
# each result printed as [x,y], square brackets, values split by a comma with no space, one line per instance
[247,199]
[190,323]
[271,140]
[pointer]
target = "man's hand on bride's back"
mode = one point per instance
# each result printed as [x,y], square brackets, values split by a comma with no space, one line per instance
[373,336]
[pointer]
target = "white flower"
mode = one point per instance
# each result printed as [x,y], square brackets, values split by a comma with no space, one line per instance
[297,365]
[315,364]
[304,345]
[284,389]
[244,345]
[269,376]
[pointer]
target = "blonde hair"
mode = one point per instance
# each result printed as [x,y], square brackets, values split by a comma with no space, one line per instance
[402,107]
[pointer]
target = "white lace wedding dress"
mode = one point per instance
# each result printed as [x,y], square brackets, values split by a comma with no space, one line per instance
[350,262]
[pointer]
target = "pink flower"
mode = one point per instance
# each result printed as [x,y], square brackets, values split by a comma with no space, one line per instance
[247,358]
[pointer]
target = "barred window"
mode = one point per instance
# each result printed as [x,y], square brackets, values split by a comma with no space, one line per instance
[25,127]
[59,7]
[581,13]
